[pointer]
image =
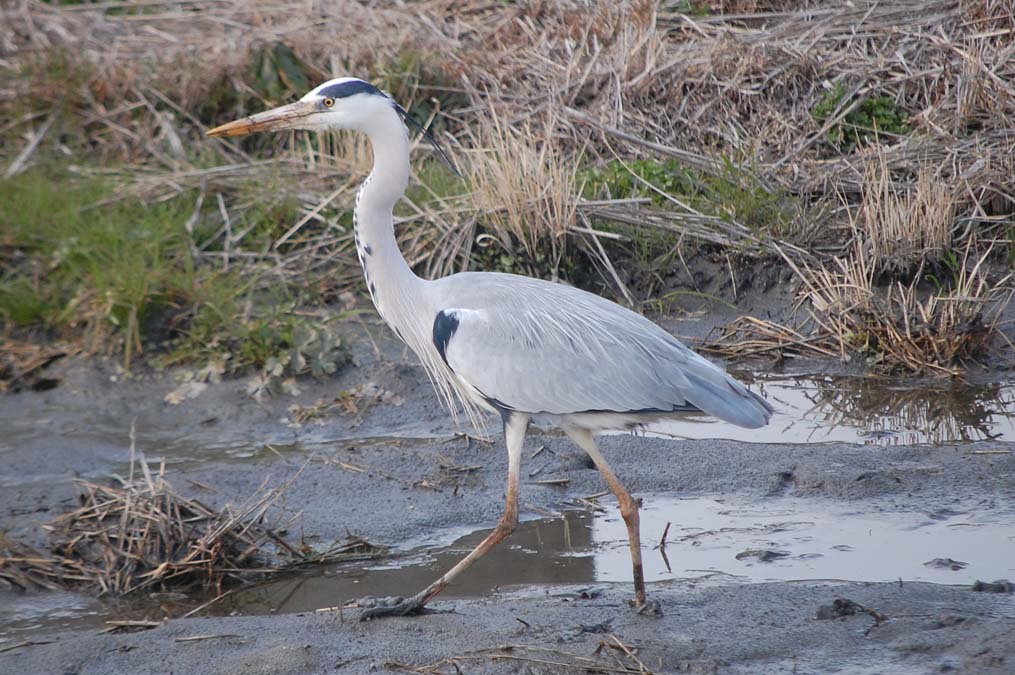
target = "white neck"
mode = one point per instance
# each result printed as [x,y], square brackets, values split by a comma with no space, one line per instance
[393,286]
[402,299]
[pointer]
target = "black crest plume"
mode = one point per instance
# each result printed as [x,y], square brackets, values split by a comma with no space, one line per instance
[412,122]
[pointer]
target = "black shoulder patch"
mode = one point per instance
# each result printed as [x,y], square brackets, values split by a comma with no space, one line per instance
[350,88]
[444,327]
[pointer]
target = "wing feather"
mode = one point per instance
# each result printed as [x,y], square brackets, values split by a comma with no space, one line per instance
[541,347]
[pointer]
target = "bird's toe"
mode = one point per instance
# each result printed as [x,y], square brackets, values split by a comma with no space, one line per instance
[650,608]
[393,606]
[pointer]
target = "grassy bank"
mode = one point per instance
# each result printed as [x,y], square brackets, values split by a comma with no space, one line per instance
[120,275]
[867,147]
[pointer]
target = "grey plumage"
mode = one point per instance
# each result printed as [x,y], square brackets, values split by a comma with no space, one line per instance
[552,350]
[521,347]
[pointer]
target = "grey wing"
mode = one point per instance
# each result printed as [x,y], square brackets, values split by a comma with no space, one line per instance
[539,347]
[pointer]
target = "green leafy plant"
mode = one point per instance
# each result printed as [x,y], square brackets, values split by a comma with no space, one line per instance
[949,271]
[731,193]
[315,348]
[874,116]
[688,7]
[278,74]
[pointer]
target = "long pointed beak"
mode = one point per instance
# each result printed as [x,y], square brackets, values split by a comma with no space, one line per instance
[283,117]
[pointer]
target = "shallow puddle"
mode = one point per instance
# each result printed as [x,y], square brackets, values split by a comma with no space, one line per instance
[714,540]
[710,540]
[777,539]
[865,410]
[807,540]
[49,611]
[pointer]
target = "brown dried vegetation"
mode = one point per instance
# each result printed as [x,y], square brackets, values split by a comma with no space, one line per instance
[140,533]
[886,125]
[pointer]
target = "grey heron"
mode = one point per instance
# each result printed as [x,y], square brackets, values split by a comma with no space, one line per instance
[520,347]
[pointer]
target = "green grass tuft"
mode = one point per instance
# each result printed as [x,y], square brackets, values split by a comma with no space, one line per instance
[121,277]
[103,270]
[732,194]
[862,125]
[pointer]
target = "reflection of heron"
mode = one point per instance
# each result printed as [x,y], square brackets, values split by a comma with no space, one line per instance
[521,347]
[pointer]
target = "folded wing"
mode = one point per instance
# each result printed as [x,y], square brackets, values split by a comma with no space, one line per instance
[540,347]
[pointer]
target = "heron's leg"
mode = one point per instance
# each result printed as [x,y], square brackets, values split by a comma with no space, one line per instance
[515,425]
[628,505]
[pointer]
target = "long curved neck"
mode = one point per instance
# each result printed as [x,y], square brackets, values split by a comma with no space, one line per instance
[407,303]
[393,287]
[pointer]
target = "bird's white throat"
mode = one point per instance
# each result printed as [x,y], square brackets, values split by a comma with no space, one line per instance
[392,284]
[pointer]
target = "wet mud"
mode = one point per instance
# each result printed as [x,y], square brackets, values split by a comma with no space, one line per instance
[846,500]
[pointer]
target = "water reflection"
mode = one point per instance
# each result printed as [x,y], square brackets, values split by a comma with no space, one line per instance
[726,538]
[938,412]
[868,410]
[709,538]
[545,551]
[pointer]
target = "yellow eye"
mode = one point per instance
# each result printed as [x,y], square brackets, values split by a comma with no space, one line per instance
[328,102]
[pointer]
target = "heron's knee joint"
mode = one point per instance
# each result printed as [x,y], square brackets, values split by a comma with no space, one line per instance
[629,510]
[507,525]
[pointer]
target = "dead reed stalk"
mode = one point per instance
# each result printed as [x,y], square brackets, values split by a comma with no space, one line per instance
[139,532]
[903,326]
[524,187]
[26,569]
[903,229]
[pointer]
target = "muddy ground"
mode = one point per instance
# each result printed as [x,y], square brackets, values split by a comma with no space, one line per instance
[220,439]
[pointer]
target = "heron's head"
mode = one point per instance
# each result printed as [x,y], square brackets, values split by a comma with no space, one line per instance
[342,103]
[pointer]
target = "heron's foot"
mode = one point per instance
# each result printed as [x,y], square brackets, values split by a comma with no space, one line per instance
[375,608]
[648,608]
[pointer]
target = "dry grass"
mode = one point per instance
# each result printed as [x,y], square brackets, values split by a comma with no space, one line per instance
[912,328]
[140,533]
[904,229]
[914,96]
[612,655]
[897,327]
[26,569]
[750,337]
[525,188]
[22,364]
[143,533]
[738,84]
[904,327]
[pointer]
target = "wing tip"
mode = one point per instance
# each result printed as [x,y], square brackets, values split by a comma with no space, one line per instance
[734,403]
[756,413]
